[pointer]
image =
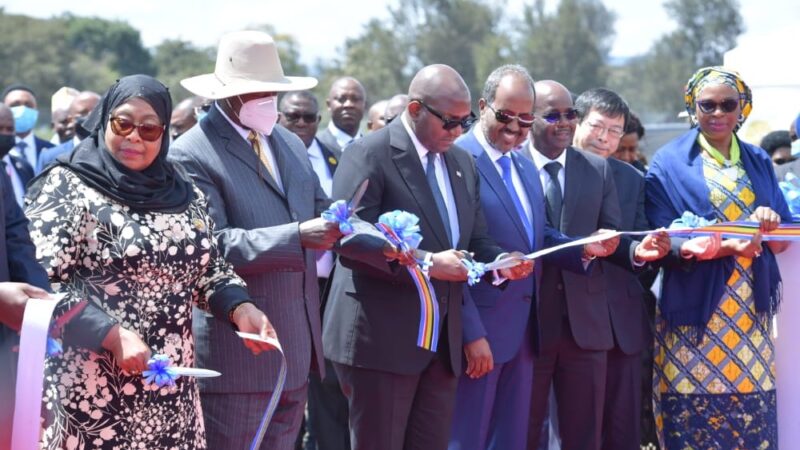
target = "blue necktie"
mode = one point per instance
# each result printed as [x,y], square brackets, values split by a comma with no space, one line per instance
[505,164]
[21,164]
[430,174]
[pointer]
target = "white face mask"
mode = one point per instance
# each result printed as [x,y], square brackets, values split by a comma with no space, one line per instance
[260,114]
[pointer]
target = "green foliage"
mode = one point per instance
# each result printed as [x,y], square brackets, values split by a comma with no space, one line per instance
[570,46]
[176,60]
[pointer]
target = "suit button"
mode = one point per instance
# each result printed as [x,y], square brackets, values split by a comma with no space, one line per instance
[294,215]
[560,287]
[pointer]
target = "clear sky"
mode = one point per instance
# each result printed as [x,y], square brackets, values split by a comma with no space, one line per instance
[321,26]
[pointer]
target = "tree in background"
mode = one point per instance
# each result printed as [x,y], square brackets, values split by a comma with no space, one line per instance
[654,83]
[570,46]
[176,60]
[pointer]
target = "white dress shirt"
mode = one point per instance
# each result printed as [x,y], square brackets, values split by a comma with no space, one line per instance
[30,149]
[540,161]
[342,138]
[317,159]
[441,179]
[495,155]
[265,147]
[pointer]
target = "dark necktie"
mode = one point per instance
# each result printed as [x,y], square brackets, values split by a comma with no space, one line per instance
[21,164]
[553,195]
[430,174]
[505,164]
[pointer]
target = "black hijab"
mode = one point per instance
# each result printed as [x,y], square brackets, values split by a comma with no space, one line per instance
[161,187]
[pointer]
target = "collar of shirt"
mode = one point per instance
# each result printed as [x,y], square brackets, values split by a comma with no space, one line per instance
[421,150]
[493,153]
[341,137]
[264,143]
[540,161]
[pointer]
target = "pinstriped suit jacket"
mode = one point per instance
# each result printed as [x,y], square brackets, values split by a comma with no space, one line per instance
[258,231]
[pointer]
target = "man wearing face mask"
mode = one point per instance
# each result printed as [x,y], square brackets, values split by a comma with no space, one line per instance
[266,201]
[23,158]
[80,107]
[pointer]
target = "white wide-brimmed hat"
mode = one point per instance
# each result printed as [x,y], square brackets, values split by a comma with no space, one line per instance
[247,62]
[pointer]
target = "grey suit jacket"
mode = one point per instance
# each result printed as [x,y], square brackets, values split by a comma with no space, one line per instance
[258,232]
[329,140]
[590,203]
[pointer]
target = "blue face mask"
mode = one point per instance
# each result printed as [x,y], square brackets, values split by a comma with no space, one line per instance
[796,148]
[199,116]
[24,118]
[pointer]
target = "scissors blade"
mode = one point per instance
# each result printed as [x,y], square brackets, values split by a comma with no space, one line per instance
[352,205]
[195,372]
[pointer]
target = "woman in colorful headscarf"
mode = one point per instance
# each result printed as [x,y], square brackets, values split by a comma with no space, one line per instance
[714,383]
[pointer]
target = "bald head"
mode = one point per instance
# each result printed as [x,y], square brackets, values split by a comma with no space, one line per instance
[439,106]
[397,105]
[375,116]
[438,81]
[347,101]
[183,116]
[83,103]
[554,125]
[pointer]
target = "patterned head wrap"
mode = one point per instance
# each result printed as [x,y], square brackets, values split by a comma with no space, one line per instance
[716,75]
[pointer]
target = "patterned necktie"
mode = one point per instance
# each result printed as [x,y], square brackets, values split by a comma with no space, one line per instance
[505,164]
[430,174]
[256,143]
[553,196]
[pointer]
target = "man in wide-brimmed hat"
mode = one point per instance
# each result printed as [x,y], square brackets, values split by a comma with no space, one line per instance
[266,202]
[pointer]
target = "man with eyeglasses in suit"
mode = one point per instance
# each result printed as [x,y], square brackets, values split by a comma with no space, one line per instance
[327,406]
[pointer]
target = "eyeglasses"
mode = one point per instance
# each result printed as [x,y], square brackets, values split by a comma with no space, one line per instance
[449,124]
[295,117]
[709,106]
[599,128]
[555,116]
[524,120]
[780,161]
[147,131]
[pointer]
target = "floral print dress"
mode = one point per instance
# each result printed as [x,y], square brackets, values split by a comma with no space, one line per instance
[145,270]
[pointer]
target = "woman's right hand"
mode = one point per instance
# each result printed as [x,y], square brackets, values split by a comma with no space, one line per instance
[702,248]
[128,349]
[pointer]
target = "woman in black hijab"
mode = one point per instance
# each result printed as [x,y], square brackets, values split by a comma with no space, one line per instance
[117,224]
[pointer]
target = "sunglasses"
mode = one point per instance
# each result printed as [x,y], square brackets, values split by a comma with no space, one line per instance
[147,131]
[780,161]
[449,124]
[295,117]
[709,106]
[555,116]
[524,120]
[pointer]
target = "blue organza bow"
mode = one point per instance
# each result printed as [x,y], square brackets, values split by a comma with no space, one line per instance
[54,347]
[405,225]
[475,271]
[159,371]
[791,192]
[339,212]
[691,220]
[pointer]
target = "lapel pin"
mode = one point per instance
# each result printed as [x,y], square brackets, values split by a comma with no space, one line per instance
[458,173]
[332,160]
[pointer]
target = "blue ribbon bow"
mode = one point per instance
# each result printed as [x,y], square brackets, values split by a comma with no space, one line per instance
[159,371]
[475,271]
[54,347]
[405,225]
[339,212]
[691,220]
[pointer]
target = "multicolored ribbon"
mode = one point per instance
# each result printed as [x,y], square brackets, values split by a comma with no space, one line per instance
[276,393]
[339,212]
[401,228]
